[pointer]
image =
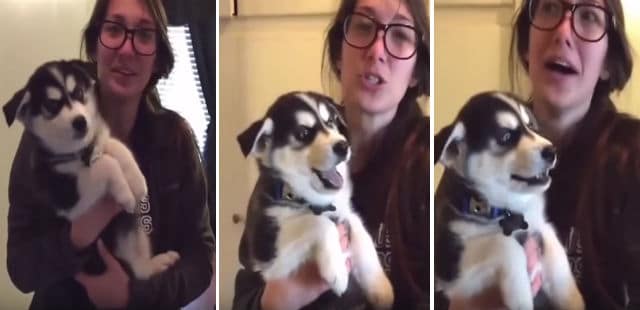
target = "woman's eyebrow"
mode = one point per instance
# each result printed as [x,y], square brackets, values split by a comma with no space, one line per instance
[142,22]
[372,12]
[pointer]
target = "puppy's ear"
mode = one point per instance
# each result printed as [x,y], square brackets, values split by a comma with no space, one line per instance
[342,125]
[255,139]
[15,108]
[447,143]
[528,117]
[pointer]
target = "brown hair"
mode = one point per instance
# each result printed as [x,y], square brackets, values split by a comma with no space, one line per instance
[164,53]
[593,201]
[333,44]
[403,209]
[618,59]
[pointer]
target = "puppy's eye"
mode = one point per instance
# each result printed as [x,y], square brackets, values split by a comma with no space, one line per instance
[77,93]
[507,137]
[302,133]
[533,126]
[331,122]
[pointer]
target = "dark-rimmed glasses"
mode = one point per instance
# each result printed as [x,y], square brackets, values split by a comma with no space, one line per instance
[590,22]
[361,31]
[114,34]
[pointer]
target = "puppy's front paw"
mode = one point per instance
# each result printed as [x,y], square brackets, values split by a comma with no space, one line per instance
[336,275]
[573,301]
[577,304]
[162,262]
[518,304]
[380,292]
[138,185]
[126,200]
[145,268]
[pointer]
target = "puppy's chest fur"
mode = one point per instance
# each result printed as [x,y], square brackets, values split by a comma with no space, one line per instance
[465,246]
[275,220]
[57,175]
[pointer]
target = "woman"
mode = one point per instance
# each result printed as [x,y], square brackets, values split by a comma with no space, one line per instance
[128,48]
[576,55]
[382,71]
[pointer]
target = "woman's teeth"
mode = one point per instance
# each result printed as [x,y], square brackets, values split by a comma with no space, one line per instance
[373,79]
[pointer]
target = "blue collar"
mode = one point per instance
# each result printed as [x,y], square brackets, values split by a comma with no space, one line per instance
[469,205]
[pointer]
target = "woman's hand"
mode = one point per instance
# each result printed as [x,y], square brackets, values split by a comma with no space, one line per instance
[492,298]
[303,287]
[110,289]
[86,228]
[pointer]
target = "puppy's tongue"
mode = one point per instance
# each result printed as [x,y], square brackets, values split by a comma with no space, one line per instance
[331,178]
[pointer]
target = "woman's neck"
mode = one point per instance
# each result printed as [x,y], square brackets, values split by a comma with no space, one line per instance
[120,115]
[365,132]
[558,125]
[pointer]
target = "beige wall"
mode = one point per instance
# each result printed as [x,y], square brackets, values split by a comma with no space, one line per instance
[471,53]
[32,32]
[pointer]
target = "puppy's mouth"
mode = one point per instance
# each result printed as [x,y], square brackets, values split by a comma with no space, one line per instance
[79,135]
[540,179]
[331,179]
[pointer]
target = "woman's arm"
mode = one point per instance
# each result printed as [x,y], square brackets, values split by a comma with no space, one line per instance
[192,274]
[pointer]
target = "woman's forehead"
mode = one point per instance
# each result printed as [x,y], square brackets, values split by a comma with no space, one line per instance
[132,13]
[386,10]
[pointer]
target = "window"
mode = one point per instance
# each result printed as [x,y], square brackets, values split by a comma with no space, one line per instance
[182,91]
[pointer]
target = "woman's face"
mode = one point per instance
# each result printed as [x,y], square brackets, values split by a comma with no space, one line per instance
[563,68]
[371,78]
[122,72]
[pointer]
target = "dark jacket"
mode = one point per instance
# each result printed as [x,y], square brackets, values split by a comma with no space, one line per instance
[594,204]
[41,258]
[391,194]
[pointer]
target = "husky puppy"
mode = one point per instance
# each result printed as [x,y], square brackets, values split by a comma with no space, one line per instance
[303,190]
[77,162]
[491,200]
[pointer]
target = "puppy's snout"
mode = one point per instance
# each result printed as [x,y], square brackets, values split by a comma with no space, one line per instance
[549,154]
[79,124]
[341,148]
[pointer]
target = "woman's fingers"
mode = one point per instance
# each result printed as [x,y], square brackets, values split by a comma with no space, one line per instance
[344,242]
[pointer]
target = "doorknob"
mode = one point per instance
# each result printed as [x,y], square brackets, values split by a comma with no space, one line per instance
[237,218]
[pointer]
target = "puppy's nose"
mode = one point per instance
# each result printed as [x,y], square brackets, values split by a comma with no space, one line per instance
[341,148]
[79,124]
[549,154]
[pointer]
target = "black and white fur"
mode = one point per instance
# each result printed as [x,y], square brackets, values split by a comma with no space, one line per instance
[77,162]
[495,157]
[303,189]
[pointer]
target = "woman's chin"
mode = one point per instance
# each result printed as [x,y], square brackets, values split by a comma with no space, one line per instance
[372,104]
[122,90]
